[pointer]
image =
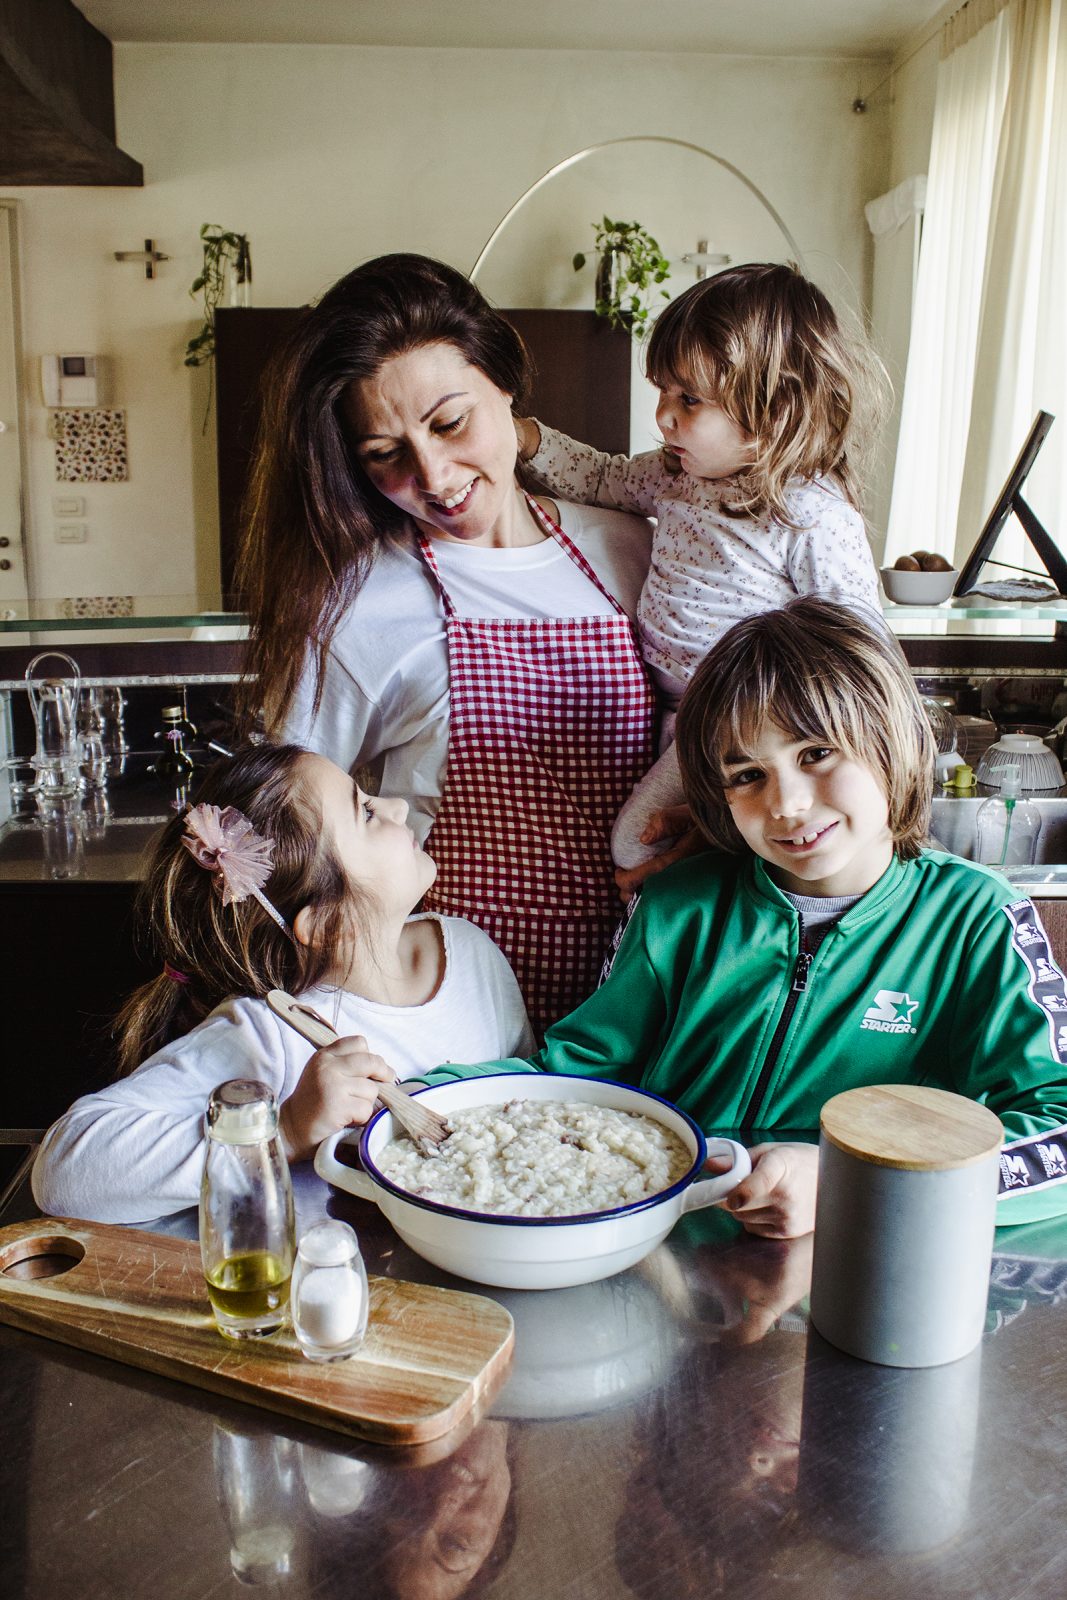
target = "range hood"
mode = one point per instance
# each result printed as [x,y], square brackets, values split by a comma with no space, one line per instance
[57,103]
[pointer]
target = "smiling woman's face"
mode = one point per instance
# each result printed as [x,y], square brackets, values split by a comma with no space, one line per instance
[435,436]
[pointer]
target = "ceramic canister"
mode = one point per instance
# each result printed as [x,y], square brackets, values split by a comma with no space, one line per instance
[904,1223]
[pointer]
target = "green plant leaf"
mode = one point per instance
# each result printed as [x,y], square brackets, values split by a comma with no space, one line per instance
[578,262]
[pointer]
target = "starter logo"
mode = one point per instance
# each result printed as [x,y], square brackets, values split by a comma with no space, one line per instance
[891,1013]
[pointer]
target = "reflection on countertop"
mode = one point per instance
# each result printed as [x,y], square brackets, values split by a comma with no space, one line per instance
[96,837]
[674,1433]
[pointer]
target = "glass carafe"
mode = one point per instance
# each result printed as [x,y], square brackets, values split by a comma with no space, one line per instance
[54,704]
[246,1211]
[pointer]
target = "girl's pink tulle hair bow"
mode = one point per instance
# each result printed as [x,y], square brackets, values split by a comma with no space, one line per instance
[226,845]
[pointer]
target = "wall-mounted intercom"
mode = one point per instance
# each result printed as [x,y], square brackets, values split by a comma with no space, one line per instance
[69,380]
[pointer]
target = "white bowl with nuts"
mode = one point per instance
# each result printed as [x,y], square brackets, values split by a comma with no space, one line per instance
[919,579]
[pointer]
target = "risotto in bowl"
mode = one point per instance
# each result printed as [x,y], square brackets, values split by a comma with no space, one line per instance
[545,1182]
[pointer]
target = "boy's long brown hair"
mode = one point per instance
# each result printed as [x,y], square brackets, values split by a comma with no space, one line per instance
[236,949]
[819,671]
[764,342]
[312,518]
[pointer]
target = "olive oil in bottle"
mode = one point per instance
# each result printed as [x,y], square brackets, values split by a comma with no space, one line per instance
[249,1286]
[246,1212]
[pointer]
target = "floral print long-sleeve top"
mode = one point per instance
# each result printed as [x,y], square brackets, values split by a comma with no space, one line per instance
[710,568]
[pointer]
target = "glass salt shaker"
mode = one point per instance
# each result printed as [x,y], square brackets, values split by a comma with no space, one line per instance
[329,1300]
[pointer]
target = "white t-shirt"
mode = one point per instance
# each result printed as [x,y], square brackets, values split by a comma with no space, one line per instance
[709,568]
[135,1150]
[385,699]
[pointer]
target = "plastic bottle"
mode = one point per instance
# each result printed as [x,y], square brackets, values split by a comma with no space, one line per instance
[246,1212]
[1007,825]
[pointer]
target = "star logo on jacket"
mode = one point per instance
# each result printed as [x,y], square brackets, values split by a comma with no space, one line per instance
[891,1012]
[1053,1159]
[1014,1173]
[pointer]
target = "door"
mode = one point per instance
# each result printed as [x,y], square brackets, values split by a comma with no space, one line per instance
[14,588]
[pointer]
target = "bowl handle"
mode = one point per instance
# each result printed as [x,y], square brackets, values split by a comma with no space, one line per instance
[350,1178]
[708,1190]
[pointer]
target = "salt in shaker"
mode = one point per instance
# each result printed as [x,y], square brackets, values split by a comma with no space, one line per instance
[329,1292]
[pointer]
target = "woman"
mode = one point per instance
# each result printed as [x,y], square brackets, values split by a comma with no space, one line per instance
[414,611]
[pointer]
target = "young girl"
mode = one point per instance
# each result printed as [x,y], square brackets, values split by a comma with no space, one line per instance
[820,945]
[753,490]
[307,885]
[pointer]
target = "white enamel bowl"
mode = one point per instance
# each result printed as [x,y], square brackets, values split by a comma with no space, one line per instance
[534,1252]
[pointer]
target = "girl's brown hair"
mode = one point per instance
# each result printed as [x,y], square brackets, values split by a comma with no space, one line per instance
[237,949]
[819,671]
[764,342]
[312,518]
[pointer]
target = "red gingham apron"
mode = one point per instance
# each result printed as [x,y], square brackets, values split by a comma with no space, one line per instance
[551,725]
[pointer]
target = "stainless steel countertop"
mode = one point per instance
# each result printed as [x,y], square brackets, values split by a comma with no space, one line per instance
[677,1431]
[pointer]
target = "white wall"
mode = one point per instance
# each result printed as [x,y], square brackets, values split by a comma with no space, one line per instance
[327,156]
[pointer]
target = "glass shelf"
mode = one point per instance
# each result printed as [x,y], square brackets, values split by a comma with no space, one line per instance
[967,609]
[150,611]
[187,611]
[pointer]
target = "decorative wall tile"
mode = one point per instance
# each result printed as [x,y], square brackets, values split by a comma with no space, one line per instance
[90,445]
[97,605]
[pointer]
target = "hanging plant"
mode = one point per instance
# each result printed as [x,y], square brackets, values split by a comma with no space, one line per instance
[630,265]
[227,261]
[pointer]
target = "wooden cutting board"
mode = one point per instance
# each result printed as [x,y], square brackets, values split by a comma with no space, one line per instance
[429,1357]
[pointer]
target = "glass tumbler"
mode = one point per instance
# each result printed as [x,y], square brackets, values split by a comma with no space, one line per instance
[329,1298]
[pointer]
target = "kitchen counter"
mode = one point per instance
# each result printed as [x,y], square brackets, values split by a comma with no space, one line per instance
[67,888]
[677,1431]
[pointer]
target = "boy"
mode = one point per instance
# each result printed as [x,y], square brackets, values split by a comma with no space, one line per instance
[820,946]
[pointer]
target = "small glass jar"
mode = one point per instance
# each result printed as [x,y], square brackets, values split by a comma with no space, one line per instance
[329,1300]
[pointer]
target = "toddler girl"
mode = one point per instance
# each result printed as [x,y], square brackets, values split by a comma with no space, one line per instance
[753,491]
[285,876]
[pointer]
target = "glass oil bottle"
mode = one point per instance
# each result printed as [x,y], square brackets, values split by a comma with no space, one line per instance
[246,1212]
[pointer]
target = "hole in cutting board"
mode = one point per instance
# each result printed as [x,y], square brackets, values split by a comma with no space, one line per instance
[44,1256]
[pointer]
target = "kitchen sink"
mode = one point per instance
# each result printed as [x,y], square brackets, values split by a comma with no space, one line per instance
[954,827]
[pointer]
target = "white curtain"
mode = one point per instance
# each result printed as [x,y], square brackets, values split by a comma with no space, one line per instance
[936,408]
[1021,360]
[895,221]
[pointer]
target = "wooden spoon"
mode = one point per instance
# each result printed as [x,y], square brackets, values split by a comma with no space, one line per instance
[428,1128]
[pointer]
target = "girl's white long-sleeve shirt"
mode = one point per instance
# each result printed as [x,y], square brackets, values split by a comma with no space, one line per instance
[709,568]
[135,1150]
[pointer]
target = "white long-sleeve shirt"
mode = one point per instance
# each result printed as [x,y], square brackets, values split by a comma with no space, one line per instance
[135,1151]
[709,569]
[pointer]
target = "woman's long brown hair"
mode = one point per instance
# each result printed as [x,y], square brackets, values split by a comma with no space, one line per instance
[312,519]
[237,949]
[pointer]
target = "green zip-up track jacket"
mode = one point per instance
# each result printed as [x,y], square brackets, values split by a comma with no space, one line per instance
[940,975]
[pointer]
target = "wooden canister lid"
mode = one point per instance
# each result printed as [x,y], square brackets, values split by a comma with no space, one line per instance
[910,1127]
